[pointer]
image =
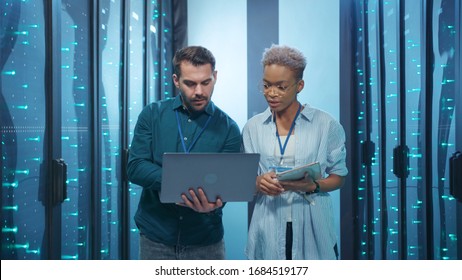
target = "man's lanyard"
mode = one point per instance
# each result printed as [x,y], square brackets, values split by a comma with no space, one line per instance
[283,148]
[197,136]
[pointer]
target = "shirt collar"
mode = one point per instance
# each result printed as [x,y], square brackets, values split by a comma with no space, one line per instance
[307,113]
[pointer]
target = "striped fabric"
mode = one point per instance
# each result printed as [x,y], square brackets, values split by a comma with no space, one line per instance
[319,138]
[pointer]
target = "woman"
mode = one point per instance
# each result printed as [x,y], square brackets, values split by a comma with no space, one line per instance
[293,219]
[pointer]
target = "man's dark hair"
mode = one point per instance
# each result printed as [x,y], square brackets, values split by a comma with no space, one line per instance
[196,55]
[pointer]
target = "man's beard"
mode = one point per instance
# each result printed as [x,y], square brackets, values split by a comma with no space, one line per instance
[191,109]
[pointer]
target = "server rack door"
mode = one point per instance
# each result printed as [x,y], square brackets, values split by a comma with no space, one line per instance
[407,87]
[33,175]
[445,51]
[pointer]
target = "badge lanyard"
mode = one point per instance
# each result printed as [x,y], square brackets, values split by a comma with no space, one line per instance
[197,136]
[283,148]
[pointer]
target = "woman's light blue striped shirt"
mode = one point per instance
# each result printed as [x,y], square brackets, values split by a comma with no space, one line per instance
[319,137]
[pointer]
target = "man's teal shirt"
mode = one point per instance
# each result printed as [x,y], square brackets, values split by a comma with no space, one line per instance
[157,132]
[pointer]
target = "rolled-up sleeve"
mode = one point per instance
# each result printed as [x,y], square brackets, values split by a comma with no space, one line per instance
[336,153]
[142,169]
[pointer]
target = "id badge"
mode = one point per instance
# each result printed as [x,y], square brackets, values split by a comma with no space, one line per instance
[279,167]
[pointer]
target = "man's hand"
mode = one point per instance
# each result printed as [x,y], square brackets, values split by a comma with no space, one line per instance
[199,201]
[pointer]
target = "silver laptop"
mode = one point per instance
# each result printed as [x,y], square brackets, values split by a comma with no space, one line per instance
[230,176]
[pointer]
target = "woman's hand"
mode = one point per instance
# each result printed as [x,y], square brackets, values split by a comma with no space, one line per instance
[268,184]
[305,184]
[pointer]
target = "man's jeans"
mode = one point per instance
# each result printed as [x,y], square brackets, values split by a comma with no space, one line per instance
[150,250]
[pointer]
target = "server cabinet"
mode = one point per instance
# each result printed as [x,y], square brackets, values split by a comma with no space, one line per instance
[403,90]
[73,80]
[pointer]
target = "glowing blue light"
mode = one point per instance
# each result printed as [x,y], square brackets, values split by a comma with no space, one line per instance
[10,185]
[13,230]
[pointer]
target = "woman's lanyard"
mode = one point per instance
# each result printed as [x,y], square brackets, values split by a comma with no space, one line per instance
[283,148]
[197,136]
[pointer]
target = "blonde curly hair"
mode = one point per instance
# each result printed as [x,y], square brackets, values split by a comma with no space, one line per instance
[286,56]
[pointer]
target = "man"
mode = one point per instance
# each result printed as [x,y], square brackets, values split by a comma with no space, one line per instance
[188,123]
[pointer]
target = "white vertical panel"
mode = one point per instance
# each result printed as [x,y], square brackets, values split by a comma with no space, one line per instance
[221,27]
[313,27]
